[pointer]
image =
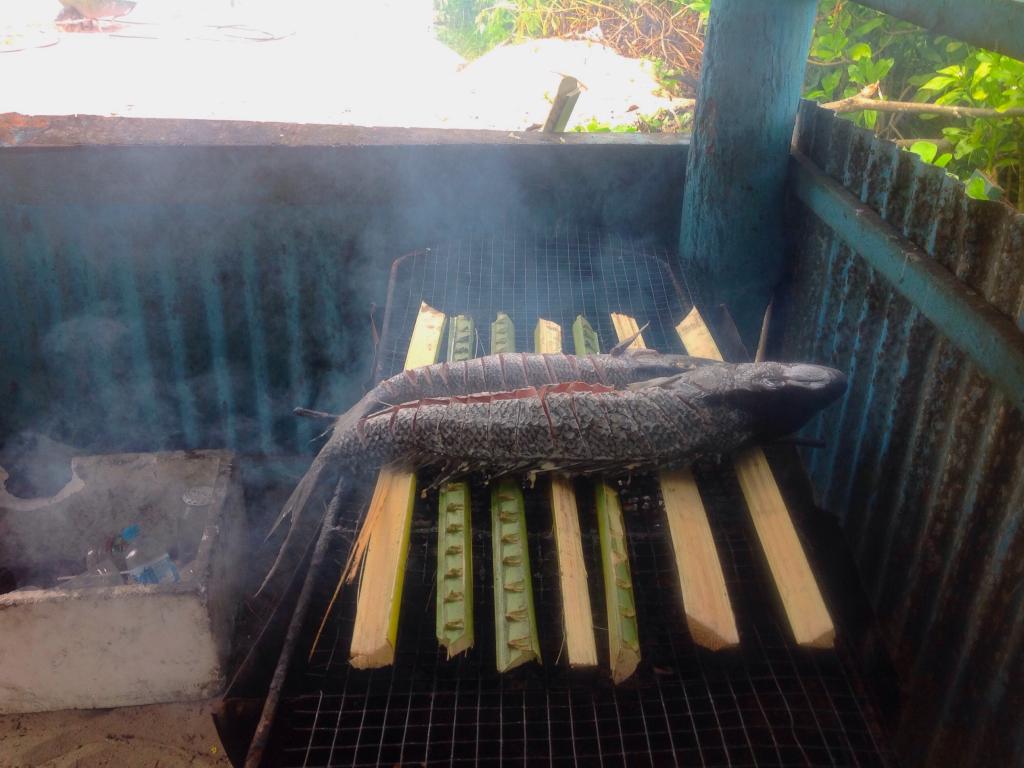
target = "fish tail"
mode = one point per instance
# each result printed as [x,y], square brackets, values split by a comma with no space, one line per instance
[295,508]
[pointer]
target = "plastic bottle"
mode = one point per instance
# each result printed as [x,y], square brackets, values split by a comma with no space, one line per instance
[100,571]
[146,560]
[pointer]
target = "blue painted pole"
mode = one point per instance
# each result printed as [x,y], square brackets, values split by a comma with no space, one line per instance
[731,241]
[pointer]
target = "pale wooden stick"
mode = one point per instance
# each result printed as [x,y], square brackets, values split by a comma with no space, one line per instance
[383,573]
[709,614]
[801,599]
[572,570]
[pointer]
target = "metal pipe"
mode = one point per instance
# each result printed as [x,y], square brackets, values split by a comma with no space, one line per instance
[990,339]
[731,241]
[994,24]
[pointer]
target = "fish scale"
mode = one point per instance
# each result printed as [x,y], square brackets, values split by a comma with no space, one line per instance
[512,370]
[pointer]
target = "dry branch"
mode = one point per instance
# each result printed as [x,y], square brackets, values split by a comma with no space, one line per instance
[860,103]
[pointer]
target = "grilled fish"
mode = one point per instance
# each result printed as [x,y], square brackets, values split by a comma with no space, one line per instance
[586,427]
[534,412]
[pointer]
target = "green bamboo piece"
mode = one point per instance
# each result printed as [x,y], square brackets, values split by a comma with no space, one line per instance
[623,633]
[503,334]
[454,531]
[515,625]
[515,622]
[454,569]
[584,337]
[461,339]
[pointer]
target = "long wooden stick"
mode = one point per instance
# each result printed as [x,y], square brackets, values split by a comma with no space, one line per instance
[383,574]
[709,614]
[805,608]
[572,570]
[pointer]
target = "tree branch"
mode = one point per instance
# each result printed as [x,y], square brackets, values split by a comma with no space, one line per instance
[860,103]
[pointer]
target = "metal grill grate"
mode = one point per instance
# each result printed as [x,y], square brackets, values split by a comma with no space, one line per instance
[768,703]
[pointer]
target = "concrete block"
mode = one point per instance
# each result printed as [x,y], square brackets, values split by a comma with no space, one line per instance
[132,644]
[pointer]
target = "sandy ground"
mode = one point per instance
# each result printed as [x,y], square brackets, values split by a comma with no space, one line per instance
[345,62]
[156,736]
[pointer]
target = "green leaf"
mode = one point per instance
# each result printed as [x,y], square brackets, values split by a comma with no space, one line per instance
[869,26]
[975,188]
[981,72]
[943,160]
[963,148]
[926,150]
[938,83]
[860,51]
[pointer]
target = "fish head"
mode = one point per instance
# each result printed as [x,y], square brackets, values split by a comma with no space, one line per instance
[778,398]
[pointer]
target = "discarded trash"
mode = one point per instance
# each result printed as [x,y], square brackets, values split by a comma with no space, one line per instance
[146,561]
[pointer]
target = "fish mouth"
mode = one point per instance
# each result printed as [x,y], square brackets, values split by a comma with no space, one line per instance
[816,377]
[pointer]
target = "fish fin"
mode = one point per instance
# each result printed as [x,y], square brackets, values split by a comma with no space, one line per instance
[663,382]
[299,496]
[622,346]
[296,508]
[309,481]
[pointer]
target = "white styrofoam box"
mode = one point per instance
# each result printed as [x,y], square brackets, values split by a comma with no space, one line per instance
[131,644]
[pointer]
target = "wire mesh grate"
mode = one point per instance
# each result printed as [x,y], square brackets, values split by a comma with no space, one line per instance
[768,703]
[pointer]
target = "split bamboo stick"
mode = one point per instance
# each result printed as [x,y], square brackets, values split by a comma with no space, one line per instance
[620,606]
[515,624]
[620,603]
[454,531]
[383,575]
[581,648]
[709,614]
[805,608]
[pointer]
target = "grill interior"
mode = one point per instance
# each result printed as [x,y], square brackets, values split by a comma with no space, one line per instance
[767,703]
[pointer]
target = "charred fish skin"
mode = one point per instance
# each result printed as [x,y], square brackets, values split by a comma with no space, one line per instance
[586,427]
[508,371]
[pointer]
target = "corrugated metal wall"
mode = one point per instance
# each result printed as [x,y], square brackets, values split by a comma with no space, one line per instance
[925,458]
[156,297]
[138,327]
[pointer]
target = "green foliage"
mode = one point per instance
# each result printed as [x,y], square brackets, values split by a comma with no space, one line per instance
[595,126]
[929,152]
[701,7]
[473,27]
[854,48]
[662,121]
[982,79]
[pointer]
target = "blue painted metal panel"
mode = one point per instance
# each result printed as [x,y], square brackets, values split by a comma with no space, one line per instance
[925,465]
[198,293]
[128,326]
[945,298]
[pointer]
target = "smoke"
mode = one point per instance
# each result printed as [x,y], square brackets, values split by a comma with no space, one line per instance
[182,297]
